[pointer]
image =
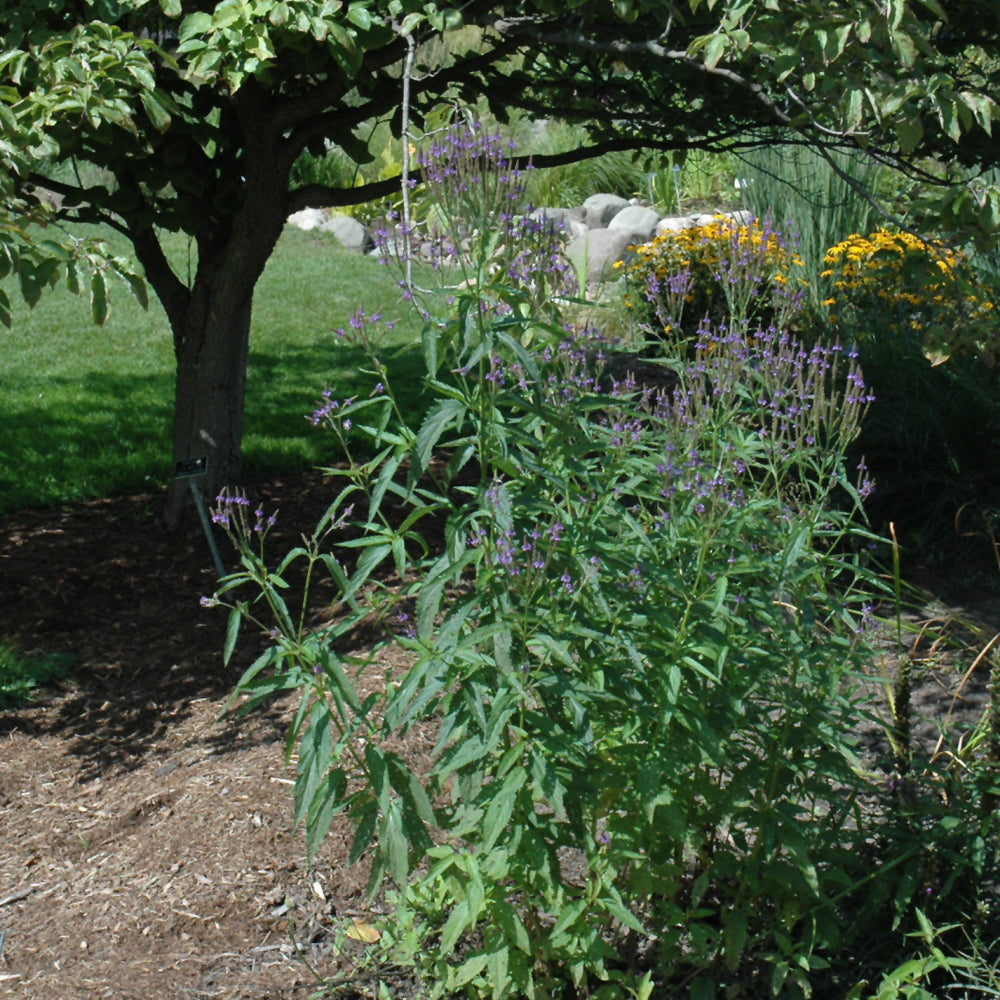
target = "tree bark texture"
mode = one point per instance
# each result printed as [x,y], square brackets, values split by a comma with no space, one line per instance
[210,320]
[209,398]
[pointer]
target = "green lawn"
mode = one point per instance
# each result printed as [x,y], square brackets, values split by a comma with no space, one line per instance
[86,411]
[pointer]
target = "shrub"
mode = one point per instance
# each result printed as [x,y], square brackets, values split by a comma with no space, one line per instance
[899,287]
[21,675]
[740,274]
[635,645]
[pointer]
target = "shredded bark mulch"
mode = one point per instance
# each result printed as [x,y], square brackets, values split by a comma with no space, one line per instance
[147,847]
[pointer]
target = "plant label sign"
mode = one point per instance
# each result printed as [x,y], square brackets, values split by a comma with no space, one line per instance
[191,467]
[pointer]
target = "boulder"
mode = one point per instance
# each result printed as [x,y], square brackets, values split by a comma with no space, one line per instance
[638,220]
[602,208]
[675,224]
[596,252]
[556,219]
[351,233]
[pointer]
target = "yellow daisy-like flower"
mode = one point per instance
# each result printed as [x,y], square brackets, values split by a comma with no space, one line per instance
[898,273]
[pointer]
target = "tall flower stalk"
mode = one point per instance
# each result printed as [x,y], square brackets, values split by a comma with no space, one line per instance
[631,624]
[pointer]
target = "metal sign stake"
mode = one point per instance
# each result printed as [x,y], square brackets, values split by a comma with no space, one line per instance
[192,469]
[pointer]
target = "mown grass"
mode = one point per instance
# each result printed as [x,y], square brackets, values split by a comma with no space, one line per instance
[21,674]
[86,411]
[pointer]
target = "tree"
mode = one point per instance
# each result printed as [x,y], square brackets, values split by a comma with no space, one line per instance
[194,113]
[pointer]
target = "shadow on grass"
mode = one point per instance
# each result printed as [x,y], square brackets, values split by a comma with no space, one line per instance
[113,436]
[284,390]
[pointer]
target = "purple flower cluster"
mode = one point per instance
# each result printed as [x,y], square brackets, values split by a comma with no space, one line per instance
[688,481]
[474,221]
[469,165]
[866,485]
[232,512]
[366,331]
[330,409]
[803,396]
[527,555]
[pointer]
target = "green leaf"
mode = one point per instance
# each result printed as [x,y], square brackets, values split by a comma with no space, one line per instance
[393,844]
[715,50]
[334,670]
[226,14]
[982,108]
[345,49]
[31,288]
[949,120]
[172,8]
[785,65]
[909,132]
[139,291]
[429,338]
[199,23]
[385,478]
[429,597]
[158,115]
[905,49]
[5,315]
[445,412]
[569,915]
[359,16]
[232,634]
[855,108]
[411,21]
[315,757]
[327,801]
[734,936]
[513,926]
[497,963]
[99,298]
[501,808]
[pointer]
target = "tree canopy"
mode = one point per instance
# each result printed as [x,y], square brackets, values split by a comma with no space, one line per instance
[184,115]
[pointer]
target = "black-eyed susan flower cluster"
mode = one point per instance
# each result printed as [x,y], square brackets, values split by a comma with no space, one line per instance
[893,284]
[739,273]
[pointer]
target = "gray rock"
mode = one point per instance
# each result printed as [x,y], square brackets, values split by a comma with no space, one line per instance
[638,220]
[596,252]
[351,233]
[602,208]
[555,219]
[674,224]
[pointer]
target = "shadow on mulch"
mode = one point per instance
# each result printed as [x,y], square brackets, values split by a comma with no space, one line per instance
[105,585]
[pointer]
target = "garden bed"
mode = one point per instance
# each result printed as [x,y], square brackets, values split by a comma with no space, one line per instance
[148,847]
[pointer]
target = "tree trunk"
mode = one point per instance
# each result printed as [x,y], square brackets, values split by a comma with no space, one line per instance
[211,319]
[210,399]
[211,328]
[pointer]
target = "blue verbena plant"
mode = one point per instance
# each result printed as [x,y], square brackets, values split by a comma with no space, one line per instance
[633,610]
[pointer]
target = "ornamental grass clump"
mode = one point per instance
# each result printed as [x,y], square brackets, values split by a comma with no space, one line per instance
[632,619]
[899,288]
[740,274]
